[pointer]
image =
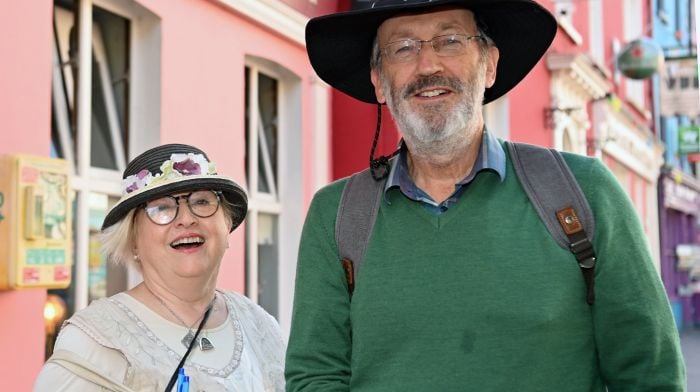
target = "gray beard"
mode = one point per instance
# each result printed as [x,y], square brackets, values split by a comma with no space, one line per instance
[437,133]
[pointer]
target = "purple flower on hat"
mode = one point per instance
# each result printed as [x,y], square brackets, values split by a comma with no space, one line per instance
[136,181]
[187,167]
[143,174]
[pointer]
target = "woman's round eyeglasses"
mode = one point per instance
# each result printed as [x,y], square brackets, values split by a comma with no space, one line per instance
[163,210]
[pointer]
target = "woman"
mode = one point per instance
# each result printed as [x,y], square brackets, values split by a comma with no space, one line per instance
[172,223]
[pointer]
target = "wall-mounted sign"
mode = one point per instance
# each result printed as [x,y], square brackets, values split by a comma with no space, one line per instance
[681,197]
[689,139]
[688,256]
[679,94]
[36,237]
[640,58]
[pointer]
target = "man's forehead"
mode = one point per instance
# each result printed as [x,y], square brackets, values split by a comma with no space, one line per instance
[439,18]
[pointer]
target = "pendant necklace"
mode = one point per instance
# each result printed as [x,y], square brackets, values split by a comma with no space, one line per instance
[204,343]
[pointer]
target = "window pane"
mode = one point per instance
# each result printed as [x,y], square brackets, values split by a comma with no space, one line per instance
[101,153]
[267,148]
[115,32]
[109,89]
[57,148]
[247,120]
[263,186]
[268,250]
[62,134]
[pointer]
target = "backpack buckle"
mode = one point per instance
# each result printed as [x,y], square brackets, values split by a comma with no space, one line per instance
[583,251]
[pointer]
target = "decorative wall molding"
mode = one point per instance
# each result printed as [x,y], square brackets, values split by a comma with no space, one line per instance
[272,14]
[634,146]
[576,81]
[583,70]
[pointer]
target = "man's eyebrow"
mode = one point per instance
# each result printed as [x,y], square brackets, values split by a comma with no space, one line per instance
[451,25]
[442,27]
[400,34]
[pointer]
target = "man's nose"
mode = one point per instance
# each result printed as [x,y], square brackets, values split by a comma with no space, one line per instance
[427,61]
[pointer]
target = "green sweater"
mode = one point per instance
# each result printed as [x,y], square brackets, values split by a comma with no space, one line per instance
[481,298]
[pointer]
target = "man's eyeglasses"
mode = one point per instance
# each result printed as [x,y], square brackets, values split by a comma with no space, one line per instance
[164,210]
[408,49]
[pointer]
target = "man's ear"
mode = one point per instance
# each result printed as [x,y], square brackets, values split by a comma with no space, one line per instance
[491,65]
[378,91]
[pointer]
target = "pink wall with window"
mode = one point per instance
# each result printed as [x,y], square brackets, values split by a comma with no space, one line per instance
[532,96]
[204,45]
[203,60]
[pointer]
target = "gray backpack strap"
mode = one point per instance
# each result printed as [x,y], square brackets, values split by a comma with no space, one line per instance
[357,212]
[559,201]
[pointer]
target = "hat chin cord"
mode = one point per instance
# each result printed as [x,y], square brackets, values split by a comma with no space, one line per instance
[379,167]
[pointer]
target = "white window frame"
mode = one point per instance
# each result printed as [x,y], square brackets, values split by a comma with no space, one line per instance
[259,202]
[287,202]
[143,108]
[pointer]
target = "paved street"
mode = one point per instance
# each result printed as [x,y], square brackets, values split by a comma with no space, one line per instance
[690,340]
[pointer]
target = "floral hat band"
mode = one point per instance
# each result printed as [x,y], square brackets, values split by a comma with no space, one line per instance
[179,165]
[169,169]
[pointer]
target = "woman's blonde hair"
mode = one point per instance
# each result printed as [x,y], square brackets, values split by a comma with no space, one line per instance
[118,241]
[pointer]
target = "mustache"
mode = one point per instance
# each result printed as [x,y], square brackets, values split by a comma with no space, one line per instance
[430,81]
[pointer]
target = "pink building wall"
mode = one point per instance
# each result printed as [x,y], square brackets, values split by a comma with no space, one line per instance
[202,101]
[527,103]
[528,100]
[25,126]
[203,50]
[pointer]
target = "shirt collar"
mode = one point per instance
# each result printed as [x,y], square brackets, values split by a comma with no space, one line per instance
[491,157]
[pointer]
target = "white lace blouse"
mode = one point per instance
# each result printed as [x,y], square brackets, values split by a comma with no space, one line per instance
[128,341]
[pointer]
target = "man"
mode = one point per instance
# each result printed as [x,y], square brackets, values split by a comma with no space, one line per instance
[462,288]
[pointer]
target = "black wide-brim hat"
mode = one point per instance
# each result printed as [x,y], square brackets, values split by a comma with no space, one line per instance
[169,169]
[340,45]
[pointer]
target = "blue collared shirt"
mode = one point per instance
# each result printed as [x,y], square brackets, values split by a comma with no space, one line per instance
[491,157]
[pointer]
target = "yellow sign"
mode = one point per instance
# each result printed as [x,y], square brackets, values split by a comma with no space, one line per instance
[37,222]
